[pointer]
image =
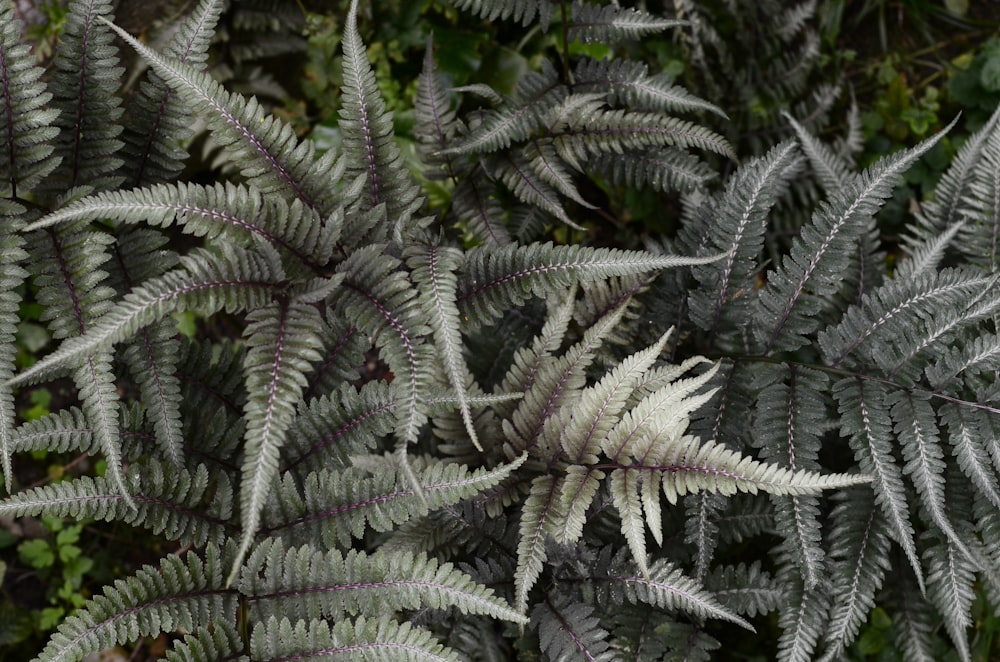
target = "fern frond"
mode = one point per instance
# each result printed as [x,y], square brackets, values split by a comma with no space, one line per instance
[301,582]
[745,589]
[627,83]
[666,587]
[803,620]
[666,169]
[569,631]
[925,250]
[859,551]
[830,169]
[225,210]
[898,304]
[529,186]
[219,641]
[340,505]
[12,275]
[495,279]
[152,360]
[786,314]
[95,383]
[368,135]
[183,593]
[864,412]
[690,466]
[951,193]
[537,95]
[950,578]
[380,639]
[475,206]
[282,344]
[379,299]
[981,233]
[539,515]
[435,121]
[157,123]
[735,223]
[591,23]
[434,270]
[207,282]
[272,158]
[787,428]
[584,129]
[914,621]
[189,507]
[27,125]
[85,86]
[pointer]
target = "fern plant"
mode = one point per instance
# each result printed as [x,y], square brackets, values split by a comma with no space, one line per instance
[568,439]
[299,484]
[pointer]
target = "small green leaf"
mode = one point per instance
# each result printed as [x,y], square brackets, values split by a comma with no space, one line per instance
[36,553]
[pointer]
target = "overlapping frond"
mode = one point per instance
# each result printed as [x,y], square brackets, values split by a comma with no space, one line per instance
[85,90]
[338,506]
[301,582]
[520,11]
[157,124]
[378,639]
[12,275]
[271,157]
[787,312]
[369,138]
[232,280]
[191,507]
[183,593]
[570,631]
[226,210]
[25,122]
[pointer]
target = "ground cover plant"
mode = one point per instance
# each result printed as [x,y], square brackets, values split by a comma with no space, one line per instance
[412,429]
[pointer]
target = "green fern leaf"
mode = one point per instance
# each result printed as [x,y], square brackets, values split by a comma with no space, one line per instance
[27,153]
[570,631]
[85,85]
[786,314]
[379,639]
[189,507]
[517,173]
[434,270]
[665,169]
[183,593]
[282,344]
[272,159]
[368,135]
[301,582]
[591,23]
[156,124]
[475,206]
[206,282]
[865,417]
[219,641]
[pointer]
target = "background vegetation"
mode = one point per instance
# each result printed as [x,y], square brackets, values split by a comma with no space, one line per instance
[873,76]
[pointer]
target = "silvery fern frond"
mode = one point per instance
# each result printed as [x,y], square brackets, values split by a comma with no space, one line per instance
[611,23]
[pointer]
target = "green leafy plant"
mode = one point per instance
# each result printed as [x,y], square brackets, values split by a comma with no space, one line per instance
[422,434]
